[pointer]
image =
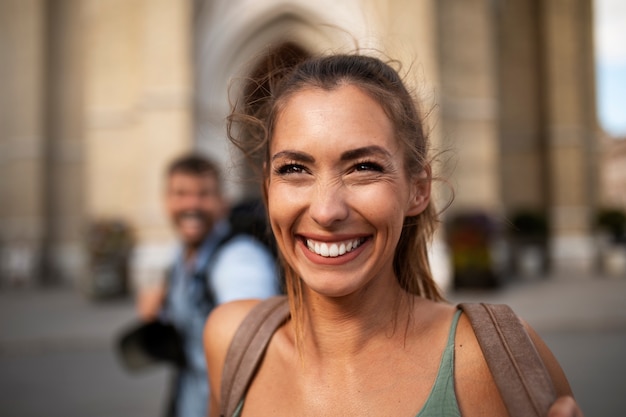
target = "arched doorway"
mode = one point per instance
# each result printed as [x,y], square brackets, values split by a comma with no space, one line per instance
[228,50]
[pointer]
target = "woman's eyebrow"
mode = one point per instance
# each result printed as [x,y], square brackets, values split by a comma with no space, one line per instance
[345,156]
[293,155]
[365,151]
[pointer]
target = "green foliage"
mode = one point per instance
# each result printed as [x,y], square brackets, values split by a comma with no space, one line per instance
[530,224]
[469,237]
[612,221]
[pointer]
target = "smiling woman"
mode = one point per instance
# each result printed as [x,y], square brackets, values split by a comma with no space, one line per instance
[347,183]
[350,186]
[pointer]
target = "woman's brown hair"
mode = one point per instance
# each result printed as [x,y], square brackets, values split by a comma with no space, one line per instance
[251,126]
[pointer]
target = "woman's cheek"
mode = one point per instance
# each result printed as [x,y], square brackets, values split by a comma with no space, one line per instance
[284,202]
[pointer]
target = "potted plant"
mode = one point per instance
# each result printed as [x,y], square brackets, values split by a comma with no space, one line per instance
[611,228]
[529,239]
[471,237]
[109,244]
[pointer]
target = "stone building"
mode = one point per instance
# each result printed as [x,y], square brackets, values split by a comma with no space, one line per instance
[613,171]
[98,95]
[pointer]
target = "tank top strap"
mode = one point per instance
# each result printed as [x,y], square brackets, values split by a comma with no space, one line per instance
[442,399]
[453,326]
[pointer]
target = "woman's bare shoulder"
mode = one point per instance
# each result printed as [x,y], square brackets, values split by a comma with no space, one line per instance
[219,331]
[476,390]
[226,318]
[221,325]
[561,384]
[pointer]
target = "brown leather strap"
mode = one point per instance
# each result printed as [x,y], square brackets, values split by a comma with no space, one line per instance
[247,349]
[517,368]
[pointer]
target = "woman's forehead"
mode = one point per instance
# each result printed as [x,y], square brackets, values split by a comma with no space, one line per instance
[343,114]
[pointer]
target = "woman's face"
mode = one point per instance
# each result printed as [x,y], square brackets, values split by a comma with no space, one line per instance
[337,189]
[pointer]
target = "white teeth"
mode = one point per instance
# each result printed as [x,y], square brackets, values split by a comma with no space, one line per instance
[332,250]
[324,250]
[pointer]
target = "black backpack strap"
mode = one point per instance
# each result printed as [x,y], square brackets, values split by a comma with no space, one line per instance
[247,349]
[519,372]
[202,277]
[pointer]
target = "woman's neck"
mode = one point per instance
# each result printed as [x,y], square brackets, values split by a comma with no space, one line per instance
[347,326]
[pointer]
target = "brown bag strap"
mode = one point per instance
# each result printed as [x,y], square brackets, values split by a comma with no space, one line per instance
[517,368]
[247,349]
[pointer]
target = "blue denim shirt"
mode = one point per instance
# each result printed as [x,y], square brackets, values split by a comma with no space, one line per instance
[242,268]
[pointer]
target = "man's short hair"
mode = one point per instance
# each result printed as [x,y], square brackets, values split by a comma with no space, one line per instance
[194,164]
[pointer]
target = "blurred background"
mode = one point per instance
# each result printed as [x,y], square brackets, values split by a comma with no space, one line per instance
[524,101]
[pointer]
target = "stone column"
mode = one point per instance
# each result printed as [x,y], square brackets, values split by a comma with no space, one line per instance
[63,255]
[470,145]
[521,134]
[22,57]
[166,115]
[410,35]
[469,102]
[570,132]
[138,94]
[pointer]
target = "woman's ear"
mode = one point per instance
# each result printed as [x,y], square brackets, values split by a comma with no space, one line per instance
[420,192]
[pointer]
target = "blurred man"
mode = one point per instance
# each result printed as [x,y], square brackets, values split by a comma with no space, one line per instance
[212,266]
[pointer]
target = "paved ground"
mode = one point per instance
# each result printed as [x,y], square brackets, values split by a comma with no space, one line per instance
[561,303]
[57,358]
[57,353]
[583,321]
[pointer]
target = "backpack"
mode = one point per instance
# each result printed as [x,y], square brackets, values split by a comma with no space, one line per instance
[249,217]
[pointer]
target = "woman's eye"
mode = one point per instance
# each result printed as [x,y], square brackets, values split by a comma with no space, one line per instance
[290,169]
[368,166]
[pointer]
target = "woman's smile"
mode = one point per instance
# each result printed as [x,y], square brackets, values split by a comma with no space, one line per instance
[333,249]
[333,252]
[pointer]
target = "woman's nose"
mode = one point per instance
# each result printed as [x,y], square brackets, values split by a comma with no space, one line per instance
[328,205]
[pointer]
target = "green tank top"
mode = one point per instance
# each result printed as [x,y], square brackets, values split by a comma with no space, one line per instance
[442,399]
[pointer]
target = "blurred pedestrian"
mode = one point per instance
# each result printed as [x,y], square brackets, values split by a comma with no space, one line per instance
[212,266]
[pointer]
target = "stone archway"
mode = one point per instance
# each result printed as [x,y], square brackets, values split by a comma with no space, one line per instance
[253,92]
[228,47]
